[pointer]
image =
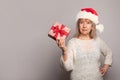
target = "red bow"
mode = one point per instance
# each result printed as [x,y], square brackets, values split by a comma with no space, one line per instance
[58,30]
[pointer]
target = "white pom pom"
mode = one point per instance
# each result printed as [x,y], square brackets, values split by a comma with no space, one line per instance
[100,28]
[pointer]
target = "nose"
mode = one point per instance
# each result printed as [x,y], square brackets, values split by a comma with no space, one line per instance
[84,25]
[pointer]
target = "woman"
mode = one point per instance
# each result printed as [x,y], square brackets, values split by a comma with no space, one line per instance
[82,53]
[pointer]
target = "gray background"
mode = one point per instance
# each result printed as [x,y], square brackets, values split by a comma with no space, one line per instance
[27,53]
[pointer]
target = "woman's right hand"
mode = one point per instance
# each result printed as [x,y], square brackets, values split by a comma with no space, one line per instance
[61,44]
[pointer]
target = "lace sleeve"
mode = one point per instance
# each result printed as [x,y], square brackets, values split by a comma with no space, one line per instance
[106,51]
[68,64]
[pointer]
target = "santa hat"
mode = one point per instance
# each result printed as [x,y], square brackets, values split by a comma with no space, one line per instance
[90,13]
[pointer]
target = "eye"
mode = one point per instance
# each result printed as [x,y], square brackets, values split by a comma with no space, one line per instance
[81,22]
[88,22]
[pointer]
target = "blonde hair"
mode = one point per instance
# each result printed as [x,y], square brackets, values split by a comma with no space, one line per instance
[92,32]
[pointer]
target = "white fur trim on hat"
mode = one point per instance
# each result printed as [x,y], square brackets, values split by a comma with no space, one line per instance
[87,15]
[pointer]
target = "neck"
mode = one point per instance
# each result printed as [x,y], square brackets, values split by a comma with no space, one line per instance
[84,37]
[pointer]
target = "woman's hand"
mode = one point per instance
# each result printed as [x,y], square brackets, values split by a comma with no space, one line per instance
[61,44]
[104,69]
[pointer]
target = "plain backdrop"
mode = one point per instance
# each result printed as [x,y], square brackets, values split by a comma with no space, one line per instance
[26,51]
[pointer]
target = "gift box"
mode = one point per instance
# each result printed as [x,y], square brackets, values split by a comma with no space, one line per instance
[59,31]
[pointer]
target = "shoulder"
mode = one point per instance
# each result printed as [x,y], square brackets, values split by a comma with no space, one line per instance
[101,41]
[72,40]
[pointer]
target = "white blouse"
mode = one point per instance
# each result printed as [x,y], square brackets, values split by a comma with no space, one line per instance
[83,58]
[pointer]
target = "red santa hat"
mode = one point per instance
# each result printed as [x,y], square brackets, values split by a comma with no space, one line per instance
[90,13]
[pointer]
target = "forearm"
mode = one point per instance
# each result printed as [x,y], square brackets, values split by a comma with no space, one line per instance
[65,57]
[64,53]
[106,65]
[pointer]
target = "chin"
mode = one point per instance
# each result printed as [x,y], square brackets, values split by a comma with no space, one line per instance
[84,33]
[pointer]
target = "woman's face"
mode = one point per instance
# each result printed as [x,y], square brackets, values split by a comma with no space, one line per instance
[85,26]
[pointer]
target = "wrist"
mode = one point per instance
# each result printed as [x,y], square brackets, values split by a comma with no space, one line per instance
[64,49]
[106,65]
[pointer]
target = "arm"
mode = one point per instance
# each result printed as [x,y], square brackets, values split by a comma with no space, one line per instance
[61,44]
[106,51]
[67,56]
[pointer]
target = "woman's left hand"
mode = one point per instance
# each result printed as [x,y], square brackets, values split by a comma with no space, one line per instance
[104,69]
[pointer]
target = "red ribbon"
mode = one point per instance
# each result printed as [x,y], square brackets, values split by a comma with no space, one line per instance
[58,30]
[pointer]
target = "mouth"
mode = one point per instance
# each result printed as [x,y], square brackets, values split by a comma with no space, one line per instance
[84,29]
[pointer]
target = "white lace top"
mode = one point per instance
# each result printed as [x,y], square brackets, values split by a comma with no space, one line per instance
[84,58]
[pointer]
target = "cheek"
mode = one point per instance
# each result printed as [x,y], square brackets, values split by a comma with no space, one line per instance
[80,28]
[90,27]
